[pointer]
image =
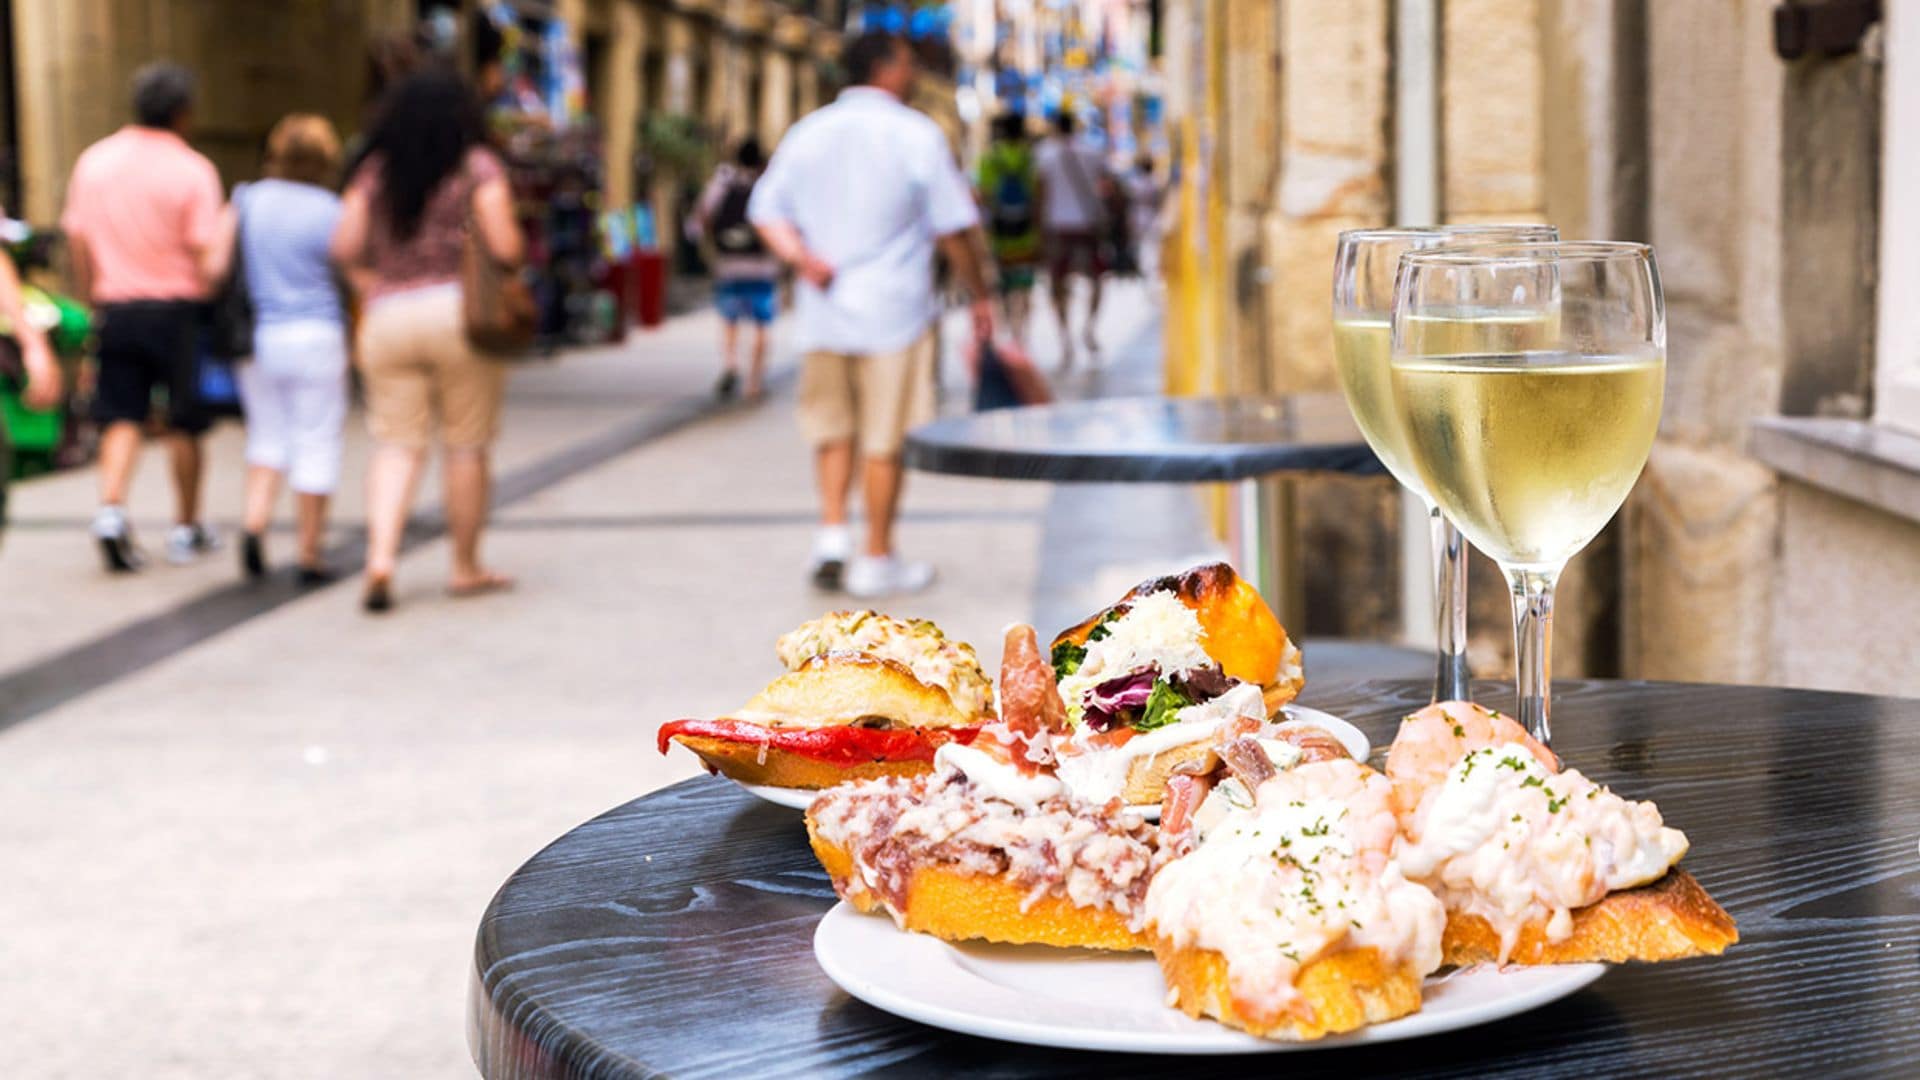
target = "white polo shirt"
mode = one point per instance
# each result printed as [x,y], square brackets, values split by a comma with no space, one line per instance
[870,184]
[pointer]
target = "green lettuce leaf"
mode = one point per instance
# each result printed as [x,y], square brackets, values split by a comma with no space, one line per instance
[1162,704]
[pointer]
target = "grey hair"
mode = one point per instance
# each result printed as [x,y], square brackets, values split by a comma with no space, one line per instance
[161,92]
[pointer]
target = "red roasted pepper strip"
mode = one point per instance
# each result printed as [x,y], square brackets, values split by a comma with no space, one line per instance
[834,745]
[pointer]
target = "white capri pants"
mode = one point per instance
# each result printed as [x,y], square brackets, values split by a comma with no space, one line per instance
[294,391]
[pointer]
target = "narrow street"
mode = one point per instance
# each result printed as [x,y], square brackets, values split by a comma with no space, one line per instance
[291,814]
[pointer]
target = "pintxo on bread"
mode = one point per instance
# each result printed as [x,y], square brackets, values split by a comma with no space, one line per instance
[1290,918]
[865,695]
[991,845]
[1537,864]
[1150,682]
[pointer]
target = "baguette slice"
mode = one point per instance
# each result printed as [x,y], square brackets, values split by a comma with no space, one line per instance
[1671,919]
[847,688]
[962,907]
[752,763]
[1342,991]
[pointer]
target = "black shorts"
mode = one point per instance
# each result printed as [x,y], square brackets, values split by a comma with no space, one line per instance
[146,344]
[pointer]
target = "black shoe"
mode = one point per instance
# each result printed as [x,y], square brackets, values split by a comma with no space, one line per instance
[378,597]
[729,383]
[828,573]
[115,537]
[253,559]
[312,577]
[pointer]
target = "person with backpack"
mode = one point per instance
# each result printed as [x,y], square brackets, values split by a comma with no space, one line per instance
[1009,189]
[744,270]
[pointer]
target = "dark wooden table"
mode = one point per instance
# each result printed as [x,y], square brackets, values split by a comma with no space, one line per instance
[1254,443]
[673,935]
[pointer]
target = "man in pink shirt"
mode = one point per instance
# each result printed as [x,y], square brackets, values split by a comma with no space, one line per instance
[150,235]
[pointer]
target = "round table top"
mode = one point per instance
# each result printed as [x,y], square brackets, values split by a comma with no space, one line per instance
[673,936]
[1148,440]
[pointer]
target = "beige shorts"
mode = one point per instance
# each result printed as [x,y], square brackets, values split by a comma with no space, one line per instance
[871,397]
[422,376]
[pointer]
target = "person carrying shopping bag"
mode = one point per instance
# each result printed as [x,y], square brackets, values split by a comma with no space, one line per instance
[427,179]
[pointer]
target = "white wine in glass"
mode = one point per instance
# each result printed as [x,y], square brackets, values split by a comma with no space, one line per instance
[1363,279]
[1530,416]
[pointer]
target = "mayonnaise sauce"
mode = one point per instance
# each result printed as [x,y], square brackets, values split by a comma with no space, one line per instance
[996,779]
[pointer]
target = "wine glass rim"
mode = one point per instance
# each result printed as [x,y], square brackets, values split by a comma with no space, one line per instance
[1419,232]
[1531,251]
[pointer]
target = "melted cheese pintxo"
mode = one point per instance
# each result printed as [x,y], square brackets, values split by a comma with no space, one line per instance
[917,645]
[1493,825]
[1305,874]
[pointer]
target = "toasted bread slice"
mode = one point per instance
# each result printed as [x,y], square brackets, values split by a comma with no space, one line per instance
[751,763]
[1341,991]
[846,688]
[1242,634]
[1671,919]
[961,907]
[1147,776]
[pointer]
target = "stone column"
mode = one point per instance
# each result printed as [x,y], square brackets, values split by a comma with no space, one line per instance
[679,63]
[776,96]
[626,98]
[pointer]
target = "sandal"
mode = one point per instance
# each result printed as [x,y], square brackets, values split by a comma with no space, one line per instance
[379,595]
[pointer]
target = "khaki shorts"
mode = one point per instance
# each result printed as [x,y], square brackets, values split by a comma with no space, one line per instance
[421,375]
[872,397]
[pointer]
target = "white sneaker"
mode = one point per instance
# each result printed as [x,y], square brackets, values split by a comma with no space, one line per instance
[115,537]
[832,545]
[885,575]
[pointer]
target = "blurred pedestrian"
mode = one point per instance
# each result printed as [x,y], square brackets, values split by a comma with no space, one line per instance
[295,389]
[1144,194]
[1074,192]
[402,225]
[27,361]
[149,236]
[745,270]
[1009,188]
[855,199]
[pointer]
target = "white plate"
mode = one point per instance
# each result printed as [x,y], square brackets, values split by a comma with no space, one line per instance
[1349,736]
[1086,1000]
[792,798]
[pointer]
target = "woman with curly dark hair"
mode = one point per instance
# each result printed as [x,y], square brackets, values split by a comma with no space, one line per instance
[426,174]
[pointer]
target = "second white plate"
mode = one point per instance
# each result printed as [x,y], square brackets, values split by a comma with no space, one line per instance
[1086,1000]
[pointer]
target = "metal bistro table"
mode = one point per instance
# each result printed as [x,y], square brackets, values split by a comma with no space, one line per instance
[673,936]
[1252,442]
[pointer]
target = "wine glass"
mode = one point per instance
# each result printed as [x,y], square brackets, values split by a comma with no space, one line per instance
[1529,378]
[1363,273]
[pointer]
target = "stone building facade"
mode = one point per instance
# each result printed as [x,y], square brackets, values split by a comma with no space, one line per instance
[1775,534]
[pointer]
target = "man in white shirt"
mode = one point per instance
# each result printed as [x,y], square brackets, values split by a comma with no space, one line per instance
[855,199]
[1073,220]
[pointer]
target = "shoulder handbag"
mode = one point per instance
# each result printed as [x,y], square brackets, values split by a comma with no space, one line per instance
[496,301]
[230,313]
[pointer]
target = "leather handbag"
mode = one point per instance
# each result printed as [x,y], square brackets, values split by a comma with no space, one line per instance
[229,322]
[496,300]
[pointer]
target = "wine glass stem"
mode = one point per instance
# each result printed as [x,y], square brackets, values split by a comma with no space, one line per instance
[1450,596]
[1533,647]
